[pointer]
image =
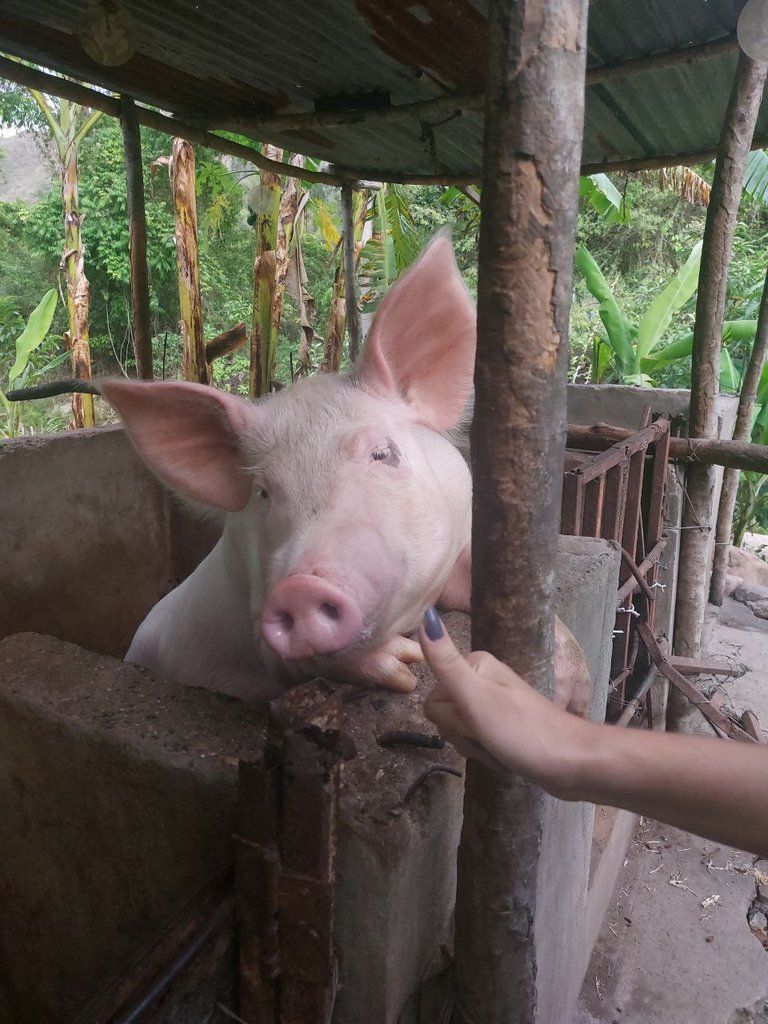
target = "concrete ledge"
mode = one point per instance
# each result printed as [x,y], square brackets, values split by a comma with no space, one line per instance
[117,797]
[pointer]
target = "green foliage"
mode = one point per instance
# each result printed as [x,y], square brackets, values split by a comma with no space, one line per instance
[23,371]
[634,345]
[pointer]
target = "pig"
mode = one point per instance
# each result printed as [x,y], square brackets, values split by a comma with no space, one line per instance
[347,507]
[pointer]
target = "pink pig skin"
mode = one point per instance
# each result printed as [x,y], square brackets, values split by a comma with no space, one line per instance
[348,509]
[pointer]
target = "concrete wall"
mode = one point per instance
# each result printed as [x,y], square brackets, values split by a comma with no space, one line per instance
[117,796]
[588,572]
[117,793]
[89,540]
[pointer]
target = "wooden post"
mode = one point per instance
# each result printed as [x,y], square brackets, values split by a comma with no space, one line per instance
[350,274]
[137,223]
[742,431]
[735,141]
[188,268]
[533,134]
[265,200]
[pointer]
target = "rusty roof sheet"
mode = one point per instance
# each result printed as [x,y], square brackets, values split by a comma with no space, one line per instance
[220,60]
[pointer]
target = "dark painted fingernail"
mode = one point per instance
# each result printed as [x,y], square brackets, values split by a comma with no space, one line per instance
[433,625]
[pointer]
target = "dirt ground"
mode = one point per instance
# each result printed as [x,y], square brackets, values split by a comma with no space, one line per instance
[676,947]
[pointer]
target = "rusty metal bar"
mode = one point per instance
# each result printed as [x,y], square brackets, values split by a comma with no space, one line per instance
[620,451]
[692,667]
[256,879]
[573,505]
[639,575]
[634,705]
[645,566]
[614,501]
[714,715]
[594,498]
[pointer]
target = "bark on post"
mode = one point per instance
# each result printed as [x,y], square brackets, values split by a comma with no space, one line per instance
[735,140]
[78,288]
[137,223]
[195,367]
[533,133]
[265,201]
[742,431]
[350,276]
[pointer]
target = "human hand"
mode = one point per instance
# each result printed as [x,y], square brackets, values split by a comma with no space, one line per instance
[487,711]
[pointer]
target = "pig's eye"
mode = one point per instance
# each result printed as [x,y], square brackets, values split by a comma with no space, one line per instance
[387,452]
[263,493]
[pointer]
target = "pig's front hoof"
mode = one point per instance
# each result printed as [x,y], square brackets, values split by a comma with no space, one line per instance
[388,665]
[574,693]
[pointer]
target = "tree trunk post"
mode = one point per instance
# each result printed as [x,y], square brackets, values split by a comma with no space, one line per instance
[350,275]
[195,366]
[137,224]
[735,140]
[78,289]
[533,134]
[265,199]
[742,431]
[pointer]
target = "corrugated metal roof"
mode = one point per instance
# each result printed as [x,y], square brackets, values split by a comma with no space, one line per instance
[225,59]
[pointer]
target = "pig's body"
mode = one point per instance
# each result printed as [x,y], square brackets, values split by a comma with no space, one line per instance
[348,507]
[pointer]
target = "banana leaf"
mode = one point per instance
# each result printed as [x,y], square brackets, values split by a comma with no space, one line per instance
[733,330]
[660,312]
[34,333]
[615,325]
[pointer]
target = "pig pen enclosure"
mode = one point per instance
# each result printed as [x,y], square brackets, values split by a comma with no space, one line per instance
[172,854]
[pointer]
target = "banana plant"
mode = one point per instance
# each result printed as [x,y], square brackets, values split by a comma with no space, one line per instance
[751,504]
[23,371]
[631,347]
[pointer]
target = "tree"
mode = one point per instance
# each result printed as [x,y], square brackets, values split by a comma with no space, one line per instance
[66,125]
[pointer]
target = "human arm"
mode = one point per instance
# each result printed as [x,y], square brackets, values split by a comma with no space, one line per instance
[715,788]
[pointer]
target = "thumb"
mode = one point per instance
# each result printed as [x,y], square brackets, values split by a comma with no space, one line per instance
[447,664]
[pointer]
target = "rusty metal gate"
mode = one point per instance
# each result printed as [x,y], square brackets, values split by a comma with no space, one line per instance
[620,495]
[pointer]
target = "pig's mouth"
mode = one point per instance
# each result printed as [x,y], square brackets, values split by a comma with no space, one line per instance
[306,616]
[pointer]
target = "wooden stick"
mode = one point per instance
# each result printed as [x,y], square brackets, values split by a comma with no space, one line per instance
[707,450]
[722,214]
[137,223]
[350,273]
[228,341]
[533,138]
[742,431]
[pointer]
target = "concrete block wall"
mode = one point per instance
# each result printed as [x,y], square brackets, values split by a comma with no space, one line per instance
[90,540]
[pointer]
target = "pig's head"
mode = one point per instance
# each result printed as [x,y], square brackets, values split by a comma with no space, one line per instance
[348,507]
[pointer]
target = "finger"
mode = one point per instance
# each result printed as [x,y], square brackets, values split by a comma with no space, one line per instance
[447,665]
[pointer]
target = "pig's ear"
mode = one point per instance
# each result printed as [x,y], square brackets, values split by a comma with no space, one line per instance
[421,345]
[188,434]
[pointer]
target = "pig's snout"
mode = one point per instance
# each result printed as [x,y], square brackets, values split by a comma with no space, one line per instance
[306,615]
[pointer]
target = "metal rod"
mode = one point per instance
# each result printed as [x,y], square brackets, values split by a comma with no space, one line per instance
[636,571]
[629,711]
[647,563]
